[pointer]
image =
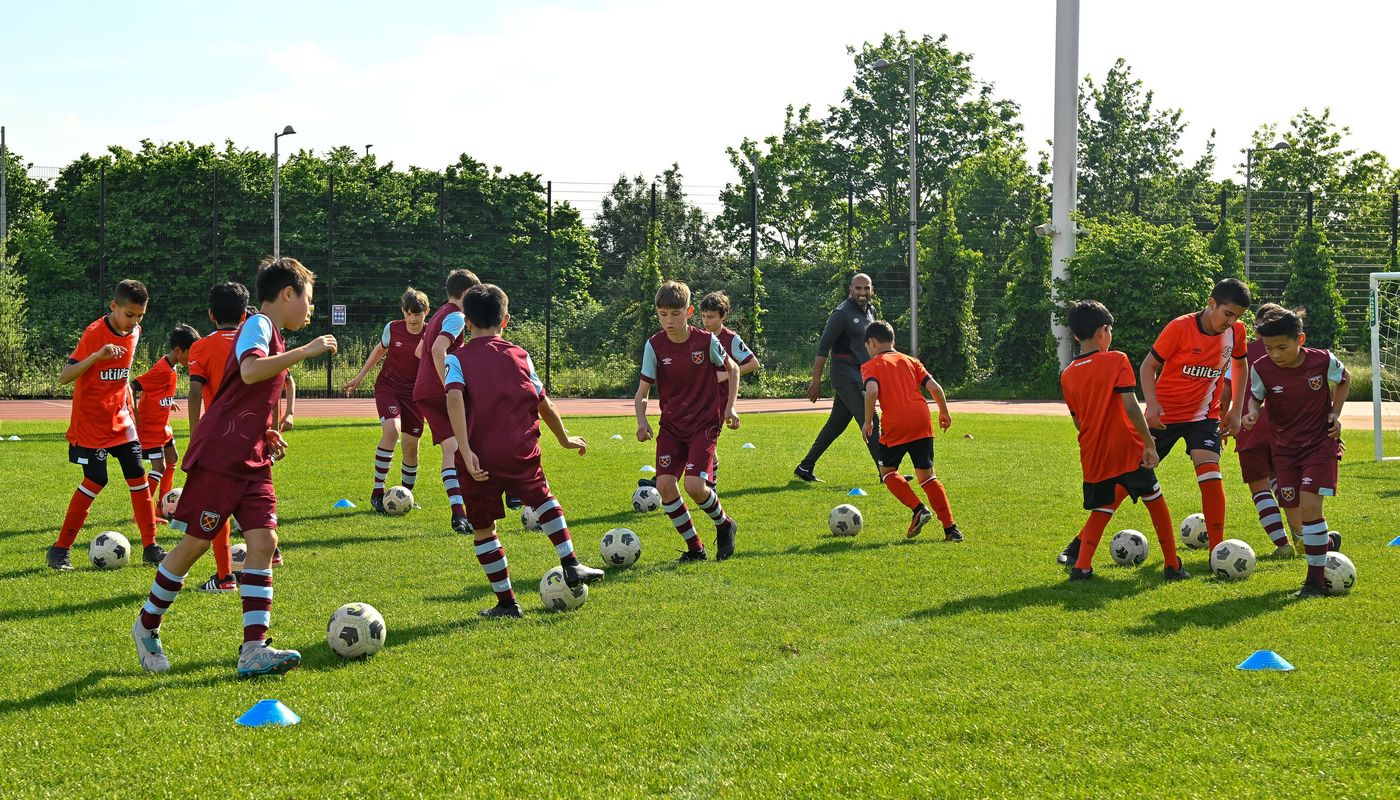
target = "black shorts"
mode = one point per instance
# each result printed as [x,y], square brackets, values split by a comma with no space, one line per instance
[93,460]
[1201,435]
[1141,482]
[154,453]
[920,452]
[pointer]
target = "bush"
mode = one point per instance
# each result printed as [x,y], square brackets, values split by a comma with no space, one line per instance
[1313,285]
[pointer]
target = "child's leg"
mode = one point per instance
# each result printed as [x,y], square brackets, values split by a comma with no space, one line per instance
[452,477]
[669,488]
[1093,530]
[408,463]
[170,579]
[552,522]
[255,583]
[707,500]
[899,487]
[129,456]
[94,478]
[172,461]
[155,476]
[1314,535]
[1212,486]
[492,558]
[1162,526]
[1270,515]
[937,499]
[384,454]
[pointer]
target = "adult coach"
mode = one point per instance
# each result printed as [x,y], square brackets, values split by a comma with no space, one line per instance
[844,341]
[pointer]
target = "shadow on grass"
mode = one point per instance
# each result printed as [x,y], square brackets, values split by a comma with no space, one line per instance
[1215,614]
[292,544]
[1088,596]
[131,683]
[102,604]
[338,513]
[22,573]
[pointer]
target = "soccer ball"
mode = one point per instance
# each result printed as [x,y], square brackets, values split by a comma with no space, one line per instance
[646,499]
[1339,574]
[355,630]
[845,520]
[170,502]
[238,554]
[111,550]
[398,501]
[621,547]
[557,595]
[1128,548]
[529,520]
[1193,532]
[1232,560]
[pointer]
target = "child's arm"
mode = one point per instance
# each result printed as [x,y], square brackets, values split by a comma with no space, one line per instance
[260,368]
[1239,377]
[945,420]
[550,416]
[1147,378]
[749,366]
[133,398]
[73,369]
[196,400]
[872,393]
[1150,459]
[1339,397]
[289,390]
[375,355]
[731,373]
[457,414]
[1256,396]
[639,404]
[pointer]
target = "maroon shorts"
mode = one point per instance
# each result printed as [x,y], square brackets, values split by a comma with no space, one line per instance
[680,456]
[211,498]
[1256,464]
[393,404]
[434,412]
[483,498]
[1316,473]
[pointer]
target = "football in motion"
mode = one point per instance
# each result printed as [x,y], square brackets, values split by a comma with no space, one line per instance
[398,501]
[620,547]
[1128,548]
[1232,560]
[1193,532]
[169,502]
[529,520]
[646,499]
[356,630]
[1339,574]
[238,555]
[845,520]
[109,550]
[557,595]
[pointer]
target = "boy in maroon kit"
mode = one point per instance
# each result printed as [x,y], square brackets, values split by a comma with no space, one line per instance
[229,466]
[154,393]
[1257,464]
[446,328]
[496,402]
[690,369]
[1292,382]
[393,393]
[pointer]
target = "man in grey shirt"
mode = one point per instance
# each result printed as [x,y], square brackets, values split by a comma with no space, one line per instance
[844,341]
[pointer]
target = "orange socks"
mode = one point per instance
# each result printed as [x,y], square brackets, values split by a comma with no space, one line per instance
[1166,534]
[900,489]
[223,559]
[938,501]
[1212,501]
[142,510]
[77,512]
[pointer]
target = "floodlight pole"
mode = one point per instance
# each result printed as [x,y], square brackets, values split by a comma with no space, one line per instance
[913,210]
[277,193]
[4,210]
[1066,162]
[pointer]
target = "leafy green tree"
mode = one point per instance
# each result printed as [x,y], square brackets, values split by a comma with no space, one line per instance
[1026,352]
[1225,245]
[947,333]
[1313,286]
[14,335]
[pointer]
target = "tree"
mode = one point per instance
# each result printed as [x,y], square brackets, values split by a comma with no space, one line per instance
[1225,245]
[1313,286]
[947,333]
[14,337]
[690,248]
[1026,353]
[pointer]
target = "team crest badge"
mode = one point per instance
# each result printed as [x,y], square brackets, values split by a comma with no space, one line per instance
[664,462]
[698,356]
[393,409]
[1288,493]
[1315,382]
[208,521]
[101,454]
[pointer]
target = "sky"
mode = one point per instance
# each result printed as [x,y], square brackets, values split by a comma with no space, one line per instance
[582,91]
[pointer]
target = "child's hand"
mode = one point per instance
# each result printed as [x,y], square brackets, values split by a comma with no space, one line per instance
[111,351]
[1154,416]
[644,431]
[322,344]
[867,429]
[574,443]
[287,422]
[1251,419]
[1150,459]
[474,467]
[350,387]
[174,407]
[732,420]
[276,445]
[945,420]
[1334,426]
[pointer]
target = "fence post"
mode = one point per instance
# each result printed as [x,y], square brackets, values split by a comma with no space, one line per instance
[442,194]
[1224,198]
[101,232]
[330,278]
[214,223]
[1394,224]
[548,282]
[1310,208]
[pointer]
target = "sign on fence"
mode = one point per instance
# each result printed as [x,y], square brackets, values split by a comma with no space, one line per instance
[337,315]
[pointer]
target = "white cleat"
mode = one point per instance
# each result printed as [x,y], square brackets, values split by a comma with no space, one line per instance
[148,648]
[261,658]
[1284,550]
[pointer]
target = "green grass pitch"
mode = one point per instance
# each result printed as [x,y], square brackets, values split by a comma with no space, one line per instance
[806,666]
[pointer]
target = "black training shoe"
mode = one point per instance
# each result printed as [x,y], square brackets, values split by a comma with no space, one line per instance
[952,534]
[502,610]
[725,540]
[574,574]
[153,554]
[806,474]
[58,559]
[1077,574]
[1334,542]
[462,526]
[514,502]
[1310,590]
[693,555]
[646,482]
[376,502]
[1178,573]
[922,516]
[1070,554]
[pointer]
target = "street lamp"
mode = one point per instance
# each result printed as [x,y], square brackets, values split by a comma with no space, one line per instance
[367,147]
[1248,187]
[277,193]
[883,64]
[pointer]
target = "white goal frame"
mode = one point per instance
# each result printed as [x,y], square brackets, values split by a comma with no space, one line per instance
[1377,399]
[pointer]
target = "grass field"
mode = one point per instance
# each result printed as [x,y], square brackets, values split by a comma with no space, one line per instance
[806,666]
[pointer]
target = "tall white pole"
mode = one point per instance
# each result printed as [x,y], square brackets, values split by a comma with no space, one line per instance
[4,210]
[1248,184]
[276,200]
[913,210]
[1377,431]
[1066,159]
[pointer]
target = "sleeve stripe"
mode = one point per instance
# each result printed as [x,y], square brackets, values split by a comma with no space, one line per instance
[1125,389]
[1156,355]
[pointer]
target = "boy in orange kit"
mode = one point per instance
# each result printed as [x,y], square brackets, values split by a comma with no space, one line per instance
[154,393]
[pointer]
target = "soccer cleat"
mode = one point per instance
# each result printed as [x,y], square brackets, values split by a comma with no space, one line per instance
[724,540]
[1077,574]
[376,502]
[1177,573]
[261,658]
[577,573]
[646,482]
[153,554]
[693,555]
[952,534]
[277,557]
[922,517]
[806,474]
[1284,550]
[502,610]
[1070,554]
[513,502]
[461,525]
[1334,542]
[219,585]
[1310,590]
[148,648]
[58,559]
[161,520]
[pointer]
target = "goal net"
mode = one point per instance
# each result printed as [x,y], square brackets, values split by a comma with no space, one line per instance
[1384,316]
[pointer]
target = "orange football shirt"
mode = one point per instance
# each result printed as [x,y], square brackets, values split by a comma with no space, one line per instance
[904,414]
[208,357]
[101,417]
[157,387]
[1193,367]
[1093,386]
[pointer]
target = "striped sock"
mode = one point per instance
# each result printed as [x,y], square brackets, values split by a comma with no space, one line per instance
[408,473]
[712,507]
[154,478]
[1315,544]
[1271,517]
[454,491]
[557,529]
[142,509]
[1212,501]
[77,512]
[680,517]
[164,589]
[255,589]
[382,458]
[492,558]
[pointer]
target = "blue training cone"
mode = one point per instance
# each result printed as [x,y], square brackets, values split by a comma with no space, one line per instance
[648,468]
[1265,660]
[616,437]
[857,492]
[1395,542]
[344,503]
[268,712]
[748,446]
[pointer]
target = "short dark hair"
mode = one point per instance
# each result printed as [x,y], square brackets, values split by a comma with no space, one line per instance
[132,292]
[276,274]
[183,337]
[716,302]
[880,331]
[1086,317]
[414,301]
[228,302]
[1265,310]
[485,305]
[673,294]
[459,281]
[1281,322]
[1232,291]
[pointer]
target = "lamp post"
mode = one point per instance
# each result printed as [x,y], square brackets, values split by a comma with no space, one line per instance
[367,147]
[882,64]
[277,193]
[1248,189]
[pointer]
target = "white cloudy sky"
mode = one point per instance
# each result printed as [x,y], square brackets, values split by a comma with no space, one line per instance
[583,91]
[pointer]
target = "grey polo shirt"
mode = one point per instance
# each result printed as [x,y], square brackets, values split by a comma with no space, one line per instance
[843,340]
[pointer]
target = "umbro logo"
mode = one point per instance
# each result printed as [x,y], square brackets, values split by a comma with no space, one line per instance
[666,361]
[1307,481]
[1277,390]
[398,344]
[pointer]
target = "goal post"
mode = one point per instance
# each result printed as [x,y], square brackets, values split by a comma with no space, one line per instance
[1384,314]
